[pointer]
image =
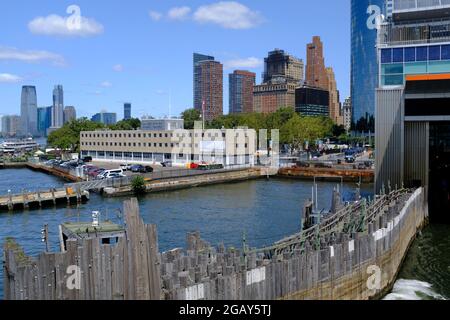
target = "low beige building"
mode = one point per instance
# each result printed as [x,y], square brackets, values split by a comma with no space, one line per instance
[227,147]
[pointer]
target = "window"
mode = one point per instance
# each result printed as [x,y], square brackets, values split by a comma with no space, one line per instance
[422,54]
[445,53]
[410,54]
[397,55]
[434,53]
[386,56]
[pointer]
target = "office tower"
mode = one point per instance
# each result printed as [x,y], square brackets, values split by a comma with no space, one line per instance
[241,91]
[347,111]
[364,70]
[10,125]
[282,74]
[312,101]
[58,107]
[208,86]
[44,116]
[335,104]
[412,110]
[316,72]
[107,118]
[69,114]
[198,58]
[28,111]
[126,111]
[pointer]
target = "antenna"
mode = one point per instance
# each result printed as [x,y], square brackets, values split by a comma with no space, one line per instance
[170,104]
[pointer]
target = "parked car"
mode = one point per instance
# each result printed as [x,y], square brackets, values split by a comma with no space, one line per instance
[106,174]
[148,169]
[124,167]
[137,168]
[114,176]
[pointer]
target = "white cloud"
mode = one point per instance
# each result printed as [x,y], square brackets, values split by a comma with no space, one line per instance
[179,13]
[54,25]
[155,15]
[106,84]
[118,68]
[246,63]
[10,78]
[229,15]
[31,56]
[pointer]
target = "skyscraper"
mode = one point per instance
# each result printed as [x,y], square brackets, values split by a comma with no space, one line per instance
[335,103]
[107,118]
[282,74]
[241,91]
[316,72]
[44,116]
[126,111]
[10,125]
[28,111]
[347,111]
[69,114]
[198,58]
[208,87]
[58,107]
[364,70]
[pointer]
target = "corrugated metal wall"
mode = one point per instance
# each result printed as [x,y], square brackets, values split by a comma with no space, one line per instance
[389,130]
[417,152]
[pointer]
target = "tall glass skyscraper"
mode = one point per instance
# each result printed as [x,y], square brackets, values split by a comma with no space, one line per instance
[58,107]
[364,69]
[44,118]
[28,111]
[127,111]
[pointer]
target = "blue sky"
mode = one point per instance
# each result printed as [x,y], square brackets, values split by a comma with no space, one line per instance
[139,51]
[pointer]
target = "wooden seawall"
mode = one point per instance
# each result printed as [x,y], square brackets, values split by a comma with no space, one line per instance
[348,175]
[340,265]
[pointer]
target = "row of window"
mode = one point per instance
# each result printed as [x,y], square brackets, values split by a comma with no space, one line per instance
[413,54]
[144,144]
[150,135]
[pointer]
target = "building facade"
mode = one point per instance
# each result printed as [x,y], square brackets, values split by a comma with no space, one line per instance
[227,147]
[316,72]
[413,102]
[311,101]
[150,124]
[241,91]
[58,107]
[44,120]
[282,74]
[210,89]
[70,114]
[126,111]
[107,118]
[347,111]
[335,101]
[197,94]
[10,125]
[364,68]
[28,111]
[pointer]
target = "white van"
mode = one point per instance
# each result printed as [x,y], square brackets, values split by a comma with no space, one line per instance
[110,173]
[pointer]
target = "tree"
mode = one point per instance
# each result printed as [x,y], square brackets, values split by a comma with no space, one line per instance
[190,116]
[129,124]
[138,185]
[338,130]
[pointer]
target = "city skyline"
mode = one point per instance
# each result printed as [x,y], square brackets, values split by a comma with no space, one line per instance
[161,66]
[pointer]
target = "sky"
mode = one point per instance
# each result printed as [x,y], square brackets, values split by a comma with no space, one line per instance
[141,51]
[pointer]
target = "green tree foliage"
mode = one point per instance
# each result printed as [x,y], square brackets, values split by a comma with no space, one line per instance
[138,184]
[130,124]
[190,116]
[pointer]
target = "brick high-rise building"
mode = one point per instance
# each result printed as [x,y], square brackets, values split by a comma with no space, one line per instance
[282,74]
[316,73]
[210,89]
[241,91]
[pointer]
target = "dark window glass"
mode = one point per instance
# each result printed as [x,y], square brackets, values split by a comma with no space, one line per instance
[386,56]
[445,54]
[397,55]
[410,54]
[434,53]
[422,54]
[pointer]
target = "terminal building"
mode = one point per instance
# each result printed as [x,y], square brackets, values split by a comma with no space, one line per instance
[227,147]
[413,101]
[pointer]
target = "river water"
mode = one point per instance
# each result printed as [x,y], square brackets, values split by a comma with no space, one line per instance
[265,210]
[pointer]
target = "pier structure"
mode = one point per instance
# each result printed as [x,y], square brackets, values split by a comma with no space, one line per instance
[356,253]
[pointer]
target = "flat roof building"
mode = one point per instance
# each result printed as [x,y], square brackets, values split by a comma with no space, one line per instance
[167,124]
[311,101]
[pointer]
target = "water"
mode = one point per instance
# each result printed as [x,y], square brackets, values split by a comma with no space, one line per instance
[265,210]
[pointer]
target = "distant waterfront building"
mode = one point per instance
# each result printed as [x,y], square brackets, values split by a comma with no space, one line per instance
[335,103]
[44,120]
[208,86]
[364,70]
[126,111]
[150,124]
[69,114]
[10,125]
[58,107]
[227,147]
[107,118]
[282,74]
[316,72]
[347,111]
[28,111]
[241,91]
[312,101]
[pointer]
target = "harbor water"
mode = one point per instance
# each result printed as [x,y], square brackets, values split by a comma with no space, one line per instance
[264,210]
